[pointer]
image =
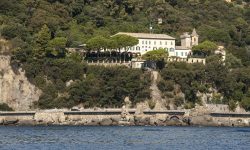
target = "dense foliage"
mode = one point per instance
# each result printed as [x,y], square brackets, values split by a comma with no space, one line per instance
[233,84]
[39,31]
[5,107]
[79,20]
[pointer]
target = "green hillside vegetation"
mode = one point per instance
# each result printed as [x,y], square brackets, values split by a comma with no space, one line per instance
[39,31]
[232,83]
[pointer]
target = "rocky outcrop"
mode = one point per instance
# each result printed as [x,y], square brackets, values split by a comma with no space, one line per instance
[156,93]
[49,117]
[15,89]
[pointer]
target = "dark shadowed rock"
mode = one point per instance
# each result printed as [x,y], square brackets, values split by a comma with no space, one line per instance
[1,121]
[10,120]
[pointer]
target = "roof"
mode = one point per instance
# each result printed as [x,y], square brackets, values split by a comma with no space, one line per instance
[194,33]
[181,48]
[148,35]
[185,35]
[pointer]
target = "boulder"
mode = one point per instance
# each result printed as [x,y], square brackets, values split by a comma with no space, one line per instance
[173,122]
[50,117]
[205,120]
[10,120]
[92,123]
[27,122]
[106,122]
[161,117]
[142,120]
[1,121]
[115,119]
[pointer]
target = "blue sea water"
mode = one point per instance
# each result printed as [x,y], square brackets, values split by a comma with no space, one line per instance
[123,138]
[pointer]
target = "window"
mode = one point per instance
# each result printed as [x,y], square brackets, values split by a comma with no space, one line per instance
[166,48]
[171,49]
[154,48]
[142,47]
[154,42]
[142,42]
[166,43]
[171,43]
[146,42]
[181,53]
[160,43]
[149,42]
[186,53]
[138,48]
[176,53]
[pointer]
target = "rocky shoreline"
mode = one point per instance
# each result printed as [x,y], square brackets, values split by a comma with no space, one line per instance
[122,119]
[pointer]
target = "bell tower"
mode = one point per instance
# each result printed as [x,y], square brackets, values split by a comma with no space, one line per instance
[194,38]
[186,40]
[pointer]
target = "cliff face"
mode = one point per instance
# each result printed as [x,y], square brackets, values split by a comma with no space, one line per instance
[15,89]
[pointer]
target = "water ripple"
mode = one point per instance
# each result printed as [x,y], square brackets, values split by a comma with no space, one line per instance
[85,137]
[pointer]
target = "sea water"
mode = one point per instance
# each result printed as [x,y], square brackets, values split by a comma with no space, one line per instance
[123,138]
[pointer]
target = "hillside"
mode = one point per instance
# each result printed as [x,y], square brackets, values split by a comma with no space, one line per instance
[39,30]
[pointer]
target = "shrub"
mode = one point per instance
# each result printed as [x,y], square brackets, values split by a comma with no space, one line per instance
[169,94]
[166,85]
[5,107]
[178,101]
[245,103]
[151,104]
[232,105]
[216,99]
[189,105]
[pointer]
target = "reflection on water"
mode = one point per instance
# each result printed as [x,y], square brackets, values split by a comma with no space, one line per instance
[67,137]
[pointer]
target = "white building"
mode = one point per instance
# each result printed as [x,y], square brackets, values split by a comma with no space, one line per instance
[148,42]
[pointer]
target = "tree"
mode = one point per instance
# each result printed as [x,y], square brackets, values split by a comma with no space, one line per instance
[232,105]
[57,46]
[124,41]
[205,48]
[157,57]
[245,103]
[42,40]
[97,43]
[232,61]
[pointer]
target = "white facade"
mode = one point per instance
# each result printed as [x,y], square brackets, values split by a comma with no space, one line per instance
[148,42]
[182,52]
